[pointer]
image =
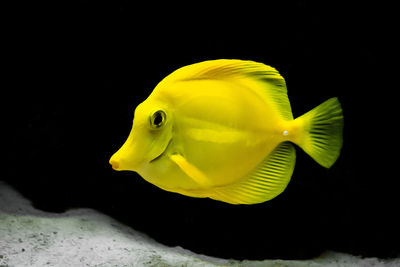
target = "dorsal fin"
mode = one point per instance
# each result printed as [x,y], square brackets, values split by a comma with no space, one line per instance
[262,79]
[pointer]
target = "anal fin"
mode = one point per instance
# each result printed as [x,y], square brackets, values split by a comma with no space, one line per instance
[264,183]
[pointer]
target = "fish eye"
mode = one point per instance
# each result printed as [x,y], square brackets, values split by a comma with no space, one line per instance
[157,119]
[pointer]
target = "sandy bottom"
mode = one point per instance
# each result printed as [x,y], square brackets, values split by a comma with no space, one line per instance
[85,237]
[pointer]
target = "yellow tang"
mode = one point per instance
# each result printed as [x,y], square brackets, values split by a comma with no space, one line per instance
[224,129]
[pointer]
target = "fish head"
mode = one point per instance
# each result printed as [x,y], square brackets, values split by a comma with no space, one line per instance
[148,140]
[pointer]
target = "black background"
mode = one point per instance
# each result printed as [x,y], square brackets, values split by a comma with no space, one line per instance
[74,74]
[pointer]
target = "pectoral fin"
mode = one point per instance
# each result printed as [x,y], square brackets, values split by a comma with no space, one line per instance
[190,170]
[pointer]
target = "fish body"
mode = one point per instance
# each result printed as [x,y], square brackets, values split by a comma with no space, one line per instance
[224,129]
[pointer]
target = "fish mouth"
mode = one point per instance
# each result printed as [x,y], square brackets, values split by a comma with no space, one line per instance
[162,153]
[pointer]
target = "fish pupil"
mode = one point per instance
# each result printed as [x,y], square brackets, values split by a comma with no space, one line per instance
[158,119]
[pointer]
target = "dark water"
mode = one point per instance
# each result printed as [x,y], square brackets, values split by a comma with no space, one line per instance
[75,74]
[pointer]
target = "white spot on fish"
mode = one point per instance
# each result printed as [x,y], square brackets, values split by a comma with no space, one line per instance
[285,133]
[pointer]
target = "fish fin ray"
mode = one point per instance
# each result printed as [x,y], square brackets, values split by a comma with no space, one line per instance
[190,170]
[322,132]
[263,183]
[262,79]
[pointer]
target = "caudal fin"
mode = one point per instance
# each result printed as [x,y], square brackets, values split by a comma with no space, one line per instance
[320,132]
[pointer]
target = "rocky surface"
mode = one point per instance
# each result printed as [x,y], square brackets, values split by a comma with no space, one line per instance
[85,237]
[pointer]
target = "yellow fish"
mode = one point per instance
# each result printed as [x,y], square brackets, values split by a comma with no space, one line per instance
[224,129]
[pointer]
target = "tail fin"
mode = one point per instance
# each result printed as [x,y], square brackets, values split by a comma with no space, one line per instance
[321,132]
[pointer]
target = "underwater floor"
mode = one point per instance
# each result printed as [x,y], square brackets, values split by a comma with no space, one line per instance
[85,237]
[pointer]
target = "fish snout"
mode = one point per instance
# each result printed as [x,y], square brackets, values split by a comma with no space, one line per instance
[127,158]
[121,162]
[114,164]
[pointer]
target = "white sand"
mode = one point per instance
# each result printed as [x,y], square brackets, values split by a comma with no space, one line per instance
[84,237]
